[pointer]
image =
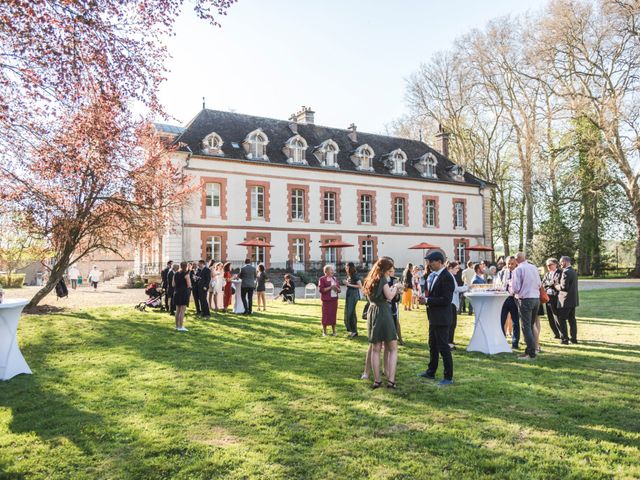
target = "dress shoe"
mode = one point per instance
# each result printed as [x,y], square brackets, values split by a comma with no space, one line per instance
[445,383]
[427,376]
[574,341]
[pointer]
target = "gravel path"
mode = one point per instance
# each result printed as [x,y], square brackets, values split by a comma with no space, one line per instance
[106,295]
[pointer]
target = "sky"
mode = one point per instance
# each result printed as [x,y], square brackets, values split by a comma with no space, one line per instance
[348,60]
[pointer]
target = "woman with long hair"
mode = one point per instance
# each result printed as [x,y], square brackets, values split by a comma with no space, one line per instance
[407,283]
[181,288]
[380,321]
[226,274]
[215,289]
[261,280]
[353,284]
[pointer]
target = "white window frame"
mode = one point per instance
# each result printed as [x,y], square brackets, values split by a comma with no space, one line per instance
[366,206]
[430,208]
[461,250]
[255,145]
[213,248]
[329,201]
[458,214]
[330,255]
[212,193]
[299,246]
[430,168]
[257,202]
[367,251]
[399,203]
[297,204]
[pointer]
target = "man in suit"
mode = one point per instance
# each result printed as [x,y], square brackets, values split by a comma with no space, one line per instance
[510,306]
[165,285]
[549,282]
[567,301]
[248,277]
[440,286]
[194,275]
[172,301]
[204,282]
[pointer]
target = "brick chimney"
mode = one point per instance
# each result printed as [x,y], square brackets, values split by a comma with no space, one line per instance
[304,116]
[442,141]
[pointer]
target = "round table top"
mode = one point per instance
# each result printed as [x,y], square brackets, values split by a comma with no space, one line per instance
[481,293]
[13,302]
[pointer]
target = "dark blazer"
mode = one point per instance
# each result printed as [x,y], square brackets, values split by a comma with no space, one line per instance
[550,280]
[163,274]
[439,300]
[205,278]
[170,281]
[248,276]
[568,294]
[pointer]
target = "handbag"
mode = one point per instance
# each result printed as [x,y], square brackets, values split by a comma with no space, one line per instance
[544,296]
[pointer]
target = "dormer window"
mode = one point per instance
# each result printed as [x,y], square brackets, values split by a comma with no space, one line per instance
[363,158]
[295,150]
[255,145]
[212,144]
[396,162]
[327,154]
[458,172]
[427,165]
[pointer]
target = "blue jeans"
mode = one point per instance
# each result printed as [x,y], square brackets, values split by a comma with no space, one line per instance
[510,306]
[528,309]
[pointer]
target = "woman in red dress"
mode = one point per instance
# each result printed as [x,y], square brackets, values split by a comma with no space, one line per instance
[329,289]
[226,274]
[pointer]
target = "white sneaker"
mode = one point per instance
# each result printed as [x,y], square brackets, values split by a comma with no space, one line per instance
[182,329]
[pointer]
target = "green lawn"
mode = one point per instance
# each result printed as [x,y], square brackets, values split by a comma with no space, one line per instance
[118,394]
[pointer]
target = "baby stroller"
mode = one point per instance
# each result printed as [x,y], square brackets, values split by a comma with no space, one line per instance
[154,300]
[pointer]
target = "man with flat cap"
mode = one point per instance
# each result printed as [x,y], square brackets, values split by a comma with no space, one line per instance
[440,287]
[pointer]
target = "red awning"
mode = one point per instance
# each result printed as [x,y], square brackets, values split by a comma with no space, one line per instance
[423,246]
[255,243]
[479,248]
[339,244]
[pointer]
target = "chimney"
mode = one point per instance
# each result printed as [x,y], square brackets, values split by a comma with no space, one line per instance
[353,134]
[442,141]
[304,116]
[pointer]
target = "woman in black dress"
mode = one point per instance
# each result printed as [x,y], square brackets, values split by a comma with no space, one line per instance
[181,290]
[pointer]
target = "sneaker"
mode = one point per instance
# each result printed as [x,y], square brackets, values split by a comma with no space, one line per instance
[427,376]
[364,376]
[182,329]
[445,383]
[526,356]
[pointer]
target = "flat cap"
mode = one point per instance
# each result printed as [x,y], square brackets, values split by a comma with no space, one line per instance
[435,256]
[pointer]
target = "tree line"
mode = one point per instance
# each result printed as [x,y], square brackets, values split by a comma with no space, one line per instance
[546,107]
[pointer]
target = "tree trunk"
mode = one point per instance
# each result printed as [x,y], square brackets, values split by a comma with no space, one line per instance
[57,272]
[636,271]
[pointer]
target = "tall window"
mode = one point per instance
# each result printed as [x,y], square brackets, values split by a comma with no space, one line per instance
[398,211]
[298,253]
[329,204]
[461,252]
[255,145]
[213,249]
[430,167]
[330,255]
[330,155]
[297,150]
[367,251]
[258,253]
[365,208]
[212,201]
[365,159]
[458,214]
[257,201]
[397,159]
[297,204]
[430,213]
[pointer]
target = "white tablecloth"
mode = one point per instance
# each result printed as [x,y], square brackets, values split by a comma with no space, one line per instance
[487,333]
[12,362]
[238,307]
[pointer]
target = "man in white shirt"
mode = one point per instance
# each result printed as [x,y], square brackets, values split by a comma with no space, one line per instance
[525,285]
[74,273]
[94,277]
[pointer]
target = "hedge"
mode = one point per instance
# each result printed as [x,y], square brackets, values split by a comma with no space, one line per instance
[17,280]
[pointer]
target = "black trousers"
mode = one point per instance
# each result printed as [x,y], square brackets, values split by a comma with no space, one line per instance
[454,323]
[439,346]
[463,304]
[511,307]
[552,315]
[567,315]
[172,302]
[204,302]
[246,294]
[196,298]
[167,299]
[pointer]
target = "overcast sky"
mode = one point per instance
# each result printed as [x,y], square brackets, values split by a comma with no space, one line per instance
[347,59]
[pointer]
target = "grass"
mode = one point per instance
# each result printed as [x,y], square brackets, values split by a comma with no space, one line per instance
[118,394]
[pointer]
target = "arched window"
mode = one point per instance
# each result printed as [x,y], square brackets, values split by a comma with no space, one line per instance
[255,145]
[212,144]
[295,149]
[363,158]
[327,153]
[427,165]
[396,162]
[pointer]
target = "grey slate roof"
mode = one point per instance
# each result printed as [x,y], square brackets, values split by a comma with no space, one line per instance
[166,128]
[234,127]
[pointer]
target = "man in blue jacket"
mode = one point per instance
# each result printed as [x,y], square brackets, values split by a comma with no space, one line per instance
[440,288]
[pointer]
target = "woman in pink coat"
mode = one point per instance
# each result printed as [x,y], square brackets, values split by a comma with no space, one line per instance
[329,289]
